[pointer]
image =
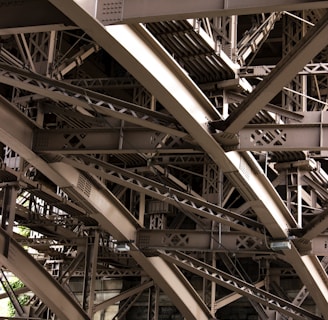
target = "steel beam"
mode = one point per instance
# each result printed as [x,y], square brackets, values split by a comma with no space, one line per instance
[264,70]
[107,141]
[133,11]
[286,137]
[135,49]
[201,241]
[311,44]
[13,256]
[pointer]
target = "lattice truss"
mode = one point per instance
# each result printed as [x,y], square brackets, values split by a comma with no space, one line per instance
[134,190]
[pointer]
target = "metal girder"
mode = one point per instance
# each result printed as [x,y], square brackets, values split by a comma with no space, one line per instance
[104,208]
[13,256]
[237,285]
[286,137]
[203,241]
[135,49]
[105,83]
[113,273]
[264,70]
[133,11]
[107,141]
[234,242]
[311,44]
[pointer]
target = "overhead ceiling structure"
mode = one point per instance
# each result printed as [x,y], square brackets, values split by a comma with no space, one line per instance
[164,159]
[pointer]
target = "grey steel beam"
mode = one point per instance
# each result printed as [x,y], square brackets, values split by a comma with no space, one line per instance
[202,241]
[107,141]
[135,49]
[101,206]
[286,137]
[133,11]
[105,83]
[311,44]
[264,70]
[234,242]
[17,260]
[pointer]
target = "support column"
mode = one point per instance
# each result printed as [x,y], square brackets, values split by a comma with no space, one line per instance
[9,195]
[153,303]
[294,96]
[90,272]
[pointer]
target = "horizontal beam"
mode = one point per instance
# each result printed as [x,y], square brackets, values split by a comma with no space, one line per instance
[196,240]
[286,137]
[234,242]
[134,11]
[107,140]
[264,70]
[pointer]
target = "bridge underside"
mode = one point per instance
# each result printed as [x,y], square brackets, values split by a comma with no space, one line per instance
[163,159]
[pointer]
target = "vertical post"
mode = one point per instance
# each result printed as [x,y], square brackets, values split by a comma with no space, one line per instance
[142,207]
[299,199]
[8,207]
[233,37]
[93,272]
[212,191]
[51,52]
[90,271]
[294,31]
[213,287]
[153,303]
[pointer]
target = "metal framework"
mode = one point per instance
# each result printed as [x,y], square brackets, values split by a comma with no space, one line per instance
[164,159]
